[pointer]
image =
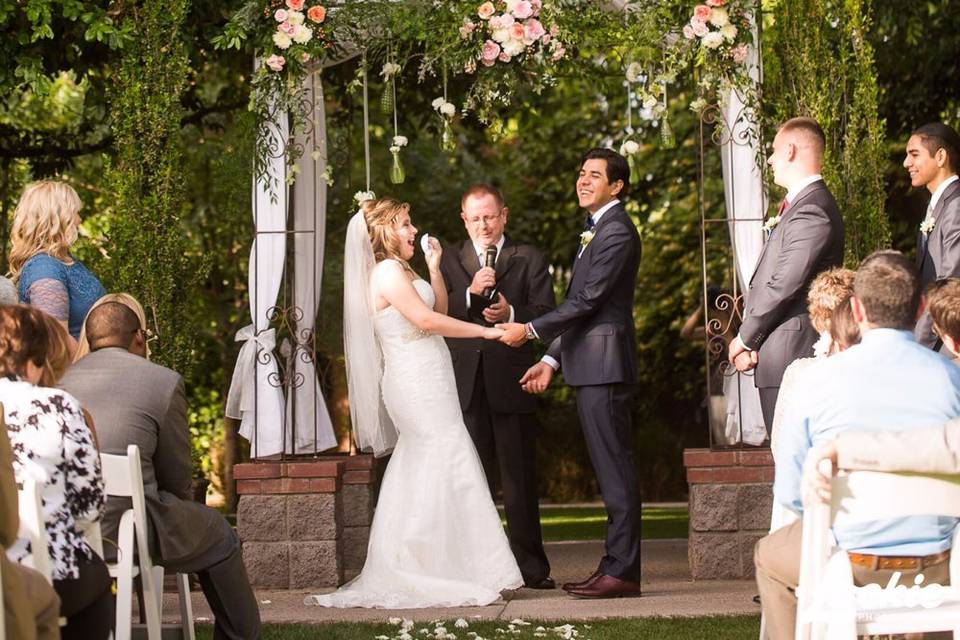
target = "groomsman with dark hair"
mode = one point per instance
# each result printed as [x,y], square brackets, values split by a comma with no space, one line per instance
[500,417]
[806,238]
[932,160]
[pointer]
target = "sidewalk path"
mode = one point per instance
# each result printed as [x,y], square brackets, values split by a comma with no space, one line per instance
[666,580]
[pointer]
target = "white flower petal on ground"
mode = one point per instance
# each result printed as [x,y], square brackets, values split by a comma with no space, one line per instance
[461,623]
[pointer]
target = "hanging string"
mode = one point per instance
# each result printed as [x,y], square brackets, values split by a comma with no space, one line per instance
[366,121]
[445,82]
[629,107]
[393,82]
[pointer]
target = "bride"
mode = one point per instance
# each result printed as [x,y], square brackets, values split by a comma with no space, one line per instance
[436,538]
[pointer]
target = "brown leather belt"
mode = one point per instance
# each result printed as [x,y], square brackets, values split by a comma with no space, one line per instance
[897,562]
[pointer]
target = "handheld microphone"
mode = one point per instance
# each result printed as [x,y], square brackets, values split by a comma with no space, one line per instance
[489,260]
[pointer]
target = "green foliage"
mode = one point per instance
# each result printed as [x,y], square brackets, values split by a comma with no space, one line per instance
[205,418]
[148,257]
[822,65]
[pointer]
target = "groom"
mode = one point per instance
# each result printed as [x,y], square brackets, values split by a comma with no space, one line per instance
[592,336]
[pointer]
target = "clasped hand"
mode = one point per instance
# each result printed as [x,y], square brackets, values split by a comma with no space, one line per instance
[742,358]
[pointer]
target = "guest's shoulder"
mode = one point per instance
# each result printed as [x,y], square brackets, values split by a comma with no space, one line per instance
[42,265]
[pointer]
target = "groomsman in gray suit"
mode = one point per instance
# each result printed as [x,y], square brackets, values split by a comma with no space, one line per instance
[933,154]
[807,238]
[134,401]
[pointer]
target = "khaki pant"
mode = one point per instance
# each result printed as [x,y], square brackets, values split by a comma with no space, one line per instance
[777,559]
[31,606]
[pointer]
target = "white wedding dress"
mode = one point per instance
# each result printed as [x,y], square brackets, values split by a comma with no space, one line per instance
[436,538]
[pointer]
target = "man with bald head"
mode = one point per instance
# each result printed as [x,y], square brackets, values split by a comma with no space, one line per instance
[806,237]
[134,401]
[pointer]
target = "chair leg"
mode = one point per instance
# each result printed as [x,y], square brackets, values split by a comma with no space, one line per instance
[150,601]
[125,578]
[186,607]
[158,573]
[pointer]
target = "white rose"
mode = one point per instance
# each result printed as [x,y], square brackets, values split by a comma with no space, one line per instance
[513,47]
[448,109]
[363,196]
[302,34]
[712,40]
[399,141]
[500,35]
[295,18]
[629,148]
[719,17]
[511,4]
[437,103]
[728,31]
[282,40]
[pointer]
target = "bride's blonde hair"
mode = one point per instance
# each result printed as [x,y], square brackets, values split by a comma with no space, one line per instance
[45,221]
[381,218]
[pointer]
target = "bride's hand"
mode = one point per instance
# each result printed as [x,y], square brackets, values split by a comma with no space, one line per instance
[436,252]
[492,333]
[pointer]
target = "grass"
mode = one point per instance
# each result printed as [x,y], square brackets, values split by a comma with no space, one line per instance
[590,523]
[715,628]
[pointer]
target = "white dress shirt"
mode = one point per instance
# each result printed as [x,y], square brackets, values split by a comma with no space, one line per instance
[935,198]
[481,258]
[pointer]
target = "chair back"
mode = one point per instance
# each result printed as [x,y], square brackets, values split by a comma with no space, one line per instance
[33,528]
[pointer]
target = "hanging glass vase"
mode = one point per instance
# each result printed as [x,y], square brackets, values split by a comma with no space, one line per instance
[447,141]
[667,140]
[397,174]
[634,163]
[386,100]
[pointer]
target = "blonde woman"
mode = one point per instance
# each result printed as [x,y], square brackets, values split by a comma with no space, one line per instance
[45,225]
[127,300]
[436,538]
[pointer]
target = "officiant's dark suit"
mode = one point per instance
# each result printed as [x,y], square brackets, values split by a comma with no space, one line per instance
[807,240]
[500,417]
[134,401]
[591,336]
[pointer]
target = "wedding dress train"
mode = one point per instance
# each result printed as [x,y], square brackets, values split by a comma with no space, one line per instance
[436,538]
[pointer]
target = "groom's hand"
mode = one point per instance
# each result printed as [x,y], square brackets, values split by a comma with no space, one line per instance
[514,334]
[736,348]
[537,378]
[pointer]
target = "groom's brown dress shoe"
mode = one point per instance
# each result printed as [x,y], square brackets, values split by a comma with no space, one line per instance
[604,586]
[567,586]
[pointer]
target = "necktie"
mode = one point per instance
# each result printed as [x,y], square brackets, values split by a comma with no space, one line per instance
[588,223]
[783,206]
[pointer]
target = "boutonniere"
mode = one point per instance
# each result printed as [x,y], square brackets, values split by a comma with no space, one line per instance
[585,238]
[771,224]
[927,225]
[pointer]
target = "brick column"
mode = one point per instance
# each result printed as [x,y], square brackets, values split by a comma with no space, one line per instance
[302,522]
[731,494]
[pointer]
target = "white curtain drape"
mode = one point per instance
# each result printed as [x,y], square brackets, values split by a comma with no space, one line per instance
[306,407]
[255,396]
[746,203]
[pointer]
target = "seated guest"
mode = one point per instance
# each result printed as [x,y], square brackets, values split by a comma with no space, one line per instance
[844,330]
[137,402]
[943,304]
[8,292]
[888,379]
[826,293]
[31,608]
[52,444]
[45,224]
[83,348]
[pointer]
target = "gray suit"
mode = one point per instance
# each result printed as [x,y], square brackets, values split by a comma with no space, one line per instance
[938,254]
[134,401]
[808,240]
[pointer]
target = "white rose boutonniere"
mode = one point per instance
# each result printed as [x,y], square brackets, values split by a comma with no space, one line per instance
[585,238]
[927,225]
[771,224]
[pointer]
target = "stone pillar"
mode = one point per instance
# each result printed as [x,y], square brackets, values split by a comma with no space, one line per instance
[731,494]
[304,523]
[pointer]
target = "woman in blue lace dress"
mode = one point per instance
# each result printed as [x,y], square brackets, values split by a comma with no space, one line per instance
[45,225]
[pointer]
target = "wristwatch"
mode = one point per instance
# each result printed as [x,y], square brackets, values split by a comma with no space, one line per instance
[528,331]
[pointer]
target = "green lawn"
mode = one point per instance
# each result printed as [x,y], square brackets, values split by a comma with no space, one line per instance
[715,628]
[590,523]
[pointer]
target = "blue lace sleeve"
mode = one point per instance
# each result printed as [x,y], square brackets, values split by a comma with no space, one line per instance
[43,284]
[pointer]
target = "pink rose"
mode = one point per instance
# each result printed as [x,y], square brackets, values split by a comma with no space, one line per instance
[317,13]
[287,28]
[517,31]
[558,53]
[533,31]
[503,57]
[700,29]
[304,57]
[700,12]
[496,22]
[536,5]
[739,53]
[554,30]
[296,5]
[488,63]
[276,62]
[490,52]
[716,3]
[523,10]
[486,10]
[546,38]
[281,15]
[688,32]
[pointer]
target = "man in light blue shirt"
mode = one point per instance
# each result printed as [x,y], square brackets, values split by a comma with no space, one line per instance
[887,380]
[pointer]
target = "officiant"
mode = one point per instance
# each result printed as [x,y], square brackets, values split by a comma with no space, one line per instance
[491,279]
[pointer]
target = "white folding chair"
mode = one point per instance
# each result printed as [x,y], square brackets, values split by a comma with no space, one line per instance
[863,496]
[3,613]
[122,477]
[33,529]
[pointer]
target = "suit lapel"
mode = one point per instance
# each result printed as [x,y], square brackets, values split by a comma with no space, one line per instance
[610,214]
[468,258]
[804,193]
[505,259]
[924,242]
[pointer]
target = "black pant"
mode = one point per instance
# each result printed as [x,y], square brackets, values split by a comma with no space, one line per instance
[87,602]
[605,416]
[508,440]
